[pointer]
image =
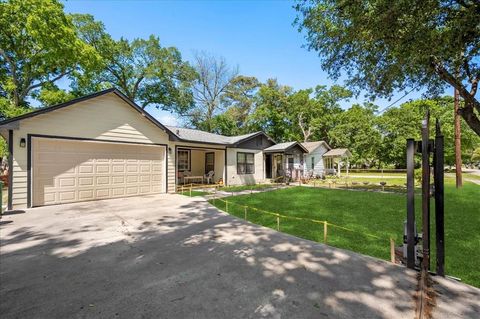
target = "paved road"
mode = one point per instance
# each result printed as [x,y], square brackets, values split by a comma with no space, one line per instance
[171,256]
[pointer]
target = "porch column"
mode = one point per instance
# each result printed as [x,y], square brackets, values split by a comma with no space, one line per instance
[348,164]
[339,167]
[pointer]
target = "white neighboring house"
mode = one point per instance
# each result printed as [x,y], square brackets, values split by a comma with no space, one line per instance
[314,164]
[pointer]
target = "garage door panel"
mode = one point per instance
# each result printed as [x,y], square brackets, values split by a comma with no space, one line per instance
[85,194]
[67,182]
[67,171]
[85,181]
[85,169]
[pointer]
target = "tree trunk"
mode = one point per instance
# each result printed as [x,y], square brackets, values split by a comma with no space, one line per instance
[458,145]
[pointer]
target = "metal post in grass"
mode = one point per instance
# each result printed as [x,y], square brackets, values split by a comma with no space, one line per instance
[410,203]
[278,223]
[426,193]
[325,230]
[190,190]
[439,200]
[392,250]
[245,212]
[226,206]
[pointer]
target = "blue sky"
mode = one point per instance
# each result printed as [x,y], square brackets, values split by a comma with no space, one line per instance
[256,36]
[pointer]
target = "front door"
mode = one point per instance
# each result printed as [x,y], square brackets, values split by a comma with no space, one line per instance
[278,165]
[268,165]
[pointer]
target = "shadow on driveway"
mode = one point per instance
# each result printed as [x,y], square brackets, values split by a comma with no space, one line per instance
[171,256]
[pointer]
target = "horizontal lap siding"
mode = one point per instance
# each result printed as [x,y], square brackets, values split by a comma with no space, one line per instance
[105,117]
[318,157]
[219,159]
[240,179]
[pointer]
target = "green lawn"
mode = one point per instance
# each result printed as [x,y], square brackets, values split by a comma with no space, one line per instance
[240,188]
[193,193]
[375,214]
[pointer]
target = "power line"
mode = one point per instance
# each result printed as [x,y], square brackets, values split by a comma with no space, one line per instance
[399,99]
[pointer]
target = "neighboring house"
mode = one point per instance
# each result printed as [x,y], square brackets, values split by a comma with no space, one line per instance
[314,164]
[105,146]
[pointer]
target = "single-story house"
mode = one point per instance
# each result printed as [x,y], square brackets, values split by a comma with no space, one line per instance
[104,146]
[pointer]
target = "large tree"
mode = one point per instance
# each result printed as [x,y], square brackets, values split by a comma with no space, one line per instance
[356,130]
[38,47]
[214,78]
[385,46]
[142,69]
[314,112]
[399,123]
[272,113]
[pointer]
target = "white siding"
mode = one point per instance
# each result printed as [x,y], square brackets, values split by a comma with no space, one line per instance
[106,117]
[317,155]
[240,179]
[219,160]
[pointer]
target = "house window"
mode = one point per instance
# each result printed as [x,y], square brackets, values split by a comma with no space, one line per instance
[245,163]
[290,163]
[313,162]
[209,162]
[183,160]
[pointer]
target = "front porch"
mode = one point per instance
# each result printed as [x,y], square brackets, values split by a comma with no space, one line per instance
[284,160]
[335,159]
[195,165]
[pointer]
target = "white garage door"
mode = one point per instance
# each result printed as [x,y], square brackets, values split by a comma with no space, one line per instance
[65,171]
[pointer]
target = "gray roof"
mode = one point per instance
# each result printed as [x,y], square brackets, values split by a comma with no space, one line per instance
[188,134]
[282,147]
[338,152]
[311,146]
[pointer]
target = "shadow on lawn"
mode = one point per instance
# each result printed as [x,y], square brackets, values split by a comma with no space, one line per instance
[199,263]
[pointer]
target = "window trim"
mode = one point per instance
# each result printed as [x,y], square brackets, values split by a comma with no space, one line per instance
[189,152]
[206,154]
[245,163]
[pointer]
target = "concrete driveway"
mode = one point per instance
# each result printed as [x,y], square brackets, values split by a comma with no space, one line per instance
[170,256]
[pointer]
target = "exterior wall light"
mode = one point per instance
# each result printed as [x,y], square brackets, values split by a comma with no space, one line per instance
[23,143]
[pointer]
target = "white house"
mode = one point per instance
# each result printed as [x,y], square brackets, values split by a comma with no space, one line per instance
[105,146]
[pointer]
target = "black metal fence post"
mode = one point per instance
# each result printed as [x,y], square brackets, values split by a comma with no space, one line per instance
[439,200]
[425,193]
[410,203]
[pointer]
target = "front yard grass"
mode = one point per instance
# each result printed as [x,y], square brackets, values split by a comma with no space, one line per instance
[376,214]
[240,188]
[186,192]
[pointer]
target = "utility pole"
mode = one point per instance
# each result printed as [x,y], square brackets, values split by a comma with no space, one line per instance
[458,145]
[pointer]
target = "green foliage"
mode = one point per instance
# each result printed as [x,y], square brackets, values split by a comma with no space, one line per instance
[272,111]
[144,70]
[476,155]
[398,124]
[8,110]
[356,131]
[38,46]
[387,46]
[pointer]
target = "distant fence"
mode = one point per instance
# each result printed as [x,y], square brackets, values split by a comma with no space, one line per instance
[377,170]
[244,212]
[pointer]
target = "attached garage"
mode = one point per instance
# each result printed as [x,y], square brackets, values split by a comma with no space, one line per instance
[96,147]
[65,170]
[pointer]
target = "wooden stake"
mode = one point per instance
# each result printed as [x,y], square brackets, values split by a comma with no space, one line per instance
[245,212]
[278,223]
[392,250]
[190,191]
[325,229]
[226,206]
